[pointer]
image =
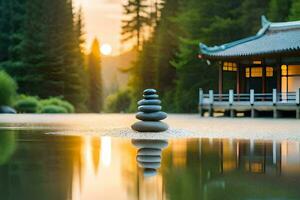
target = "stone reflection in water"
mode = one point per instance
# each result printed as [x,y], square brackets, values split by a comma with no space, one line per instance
[149,154]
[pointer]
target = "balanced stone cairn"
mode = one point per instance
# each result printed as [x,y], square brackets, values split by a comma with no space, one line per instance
[149,155]
[150,113]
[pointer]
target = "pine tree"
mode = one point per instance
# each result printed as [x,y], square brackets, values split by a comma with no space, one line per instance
[166,46]
[249,12]
[74,69]
[153,68]
[136,19]
[95,80]
[5,29]
[295,10]
[209,22]
[156,7]
[142,73]
[279,10]
[79,26]
[30,70]
[11,29]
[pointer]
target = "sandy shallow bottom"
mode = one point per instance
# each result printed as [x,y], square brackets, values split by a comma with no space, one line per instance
[182,126]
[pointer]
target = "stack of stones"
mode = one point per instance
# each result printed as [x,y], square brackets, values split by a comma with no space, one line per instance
[149,155]
[150,114]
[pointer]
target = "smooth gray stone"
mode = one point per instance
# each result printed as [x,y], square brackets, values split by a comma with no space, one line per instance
[149,102]
[152,165]
[7,109]
[148,158]
[149,91]
[153,144]
[148,126]
[149,108]
[154,116]
[149,172]
[149,152]
[151,96]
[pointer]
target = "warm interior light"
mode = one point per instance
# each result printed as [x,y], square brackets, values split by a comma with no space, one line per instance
[257,62]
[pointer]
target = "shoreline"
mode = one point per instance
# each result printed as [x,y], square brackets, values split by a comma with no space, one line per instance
[182,126]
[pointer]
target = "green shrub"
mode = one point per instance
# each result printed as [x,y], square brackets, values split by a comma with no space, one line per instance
[32,104]
[118,102]
[55,101]
[53,109]
[8,88]
[27,104]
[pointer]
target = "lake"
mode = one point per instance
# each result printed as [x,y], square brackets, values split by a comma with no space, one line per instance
[37,165]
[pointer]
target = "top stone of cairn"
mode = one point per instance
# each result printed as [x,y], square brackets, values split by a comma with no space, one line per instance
[149,91]
[150,94]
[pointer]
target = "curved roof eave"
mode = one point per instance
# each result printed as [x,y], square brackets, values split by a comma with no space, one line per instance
[266,25]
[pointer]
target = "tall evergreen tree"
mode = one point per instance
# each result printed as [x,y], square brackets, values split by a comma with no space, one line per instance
[295,10]
[29,72]
[11,29]
[136,19]
[155,12]
[41,47]
[212,22]
[166,46]
[79,31]
[95,81]
[5,29]
[153,68]
[279,10]
[142,74]
[250,13]
[74,69]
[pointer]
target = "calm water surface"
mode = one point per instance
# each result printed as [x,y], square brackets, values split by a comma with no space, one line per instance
[34,165]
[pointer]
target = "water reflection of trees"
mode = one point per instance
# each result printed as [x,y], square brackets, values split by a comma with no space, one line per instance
[41,167]
[7,146]
[96,146]
[55,167]
[230,169]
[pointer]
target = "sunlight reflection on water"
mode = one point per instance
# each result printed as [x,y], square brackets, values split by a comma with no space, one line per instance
[106,151]
[89,167]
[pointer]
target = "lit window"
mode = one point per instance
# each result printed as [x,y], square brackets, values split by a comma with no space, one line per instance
[257,62]
[229,66]
[256,167]
[247,72]
[256,72]
[234,67]
[294,70]
[284,70]
[269,71]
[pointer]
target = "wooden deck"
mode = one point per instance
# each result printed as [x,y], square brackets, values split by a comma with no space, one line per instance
[252,103]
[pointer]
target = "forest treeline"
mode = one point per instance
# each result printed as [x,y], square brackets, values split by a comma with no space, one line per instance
[41,47]
[167,34]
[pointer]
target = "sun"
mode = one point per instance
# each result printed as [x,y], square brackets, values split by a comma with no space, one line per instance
[106,49]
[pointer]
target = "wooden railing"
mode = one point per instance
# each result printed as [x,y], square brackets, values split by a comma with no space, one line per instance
[251,98]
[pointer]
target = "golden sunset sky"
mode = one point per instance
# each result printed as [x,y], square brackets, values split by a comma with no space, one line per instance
[102,20]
